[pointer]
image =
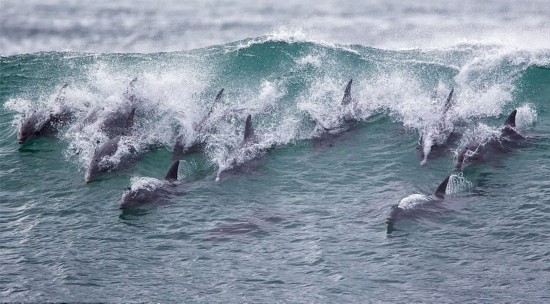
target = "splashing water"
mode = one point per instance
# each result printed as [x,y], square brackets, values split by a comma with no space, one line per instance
[458,184]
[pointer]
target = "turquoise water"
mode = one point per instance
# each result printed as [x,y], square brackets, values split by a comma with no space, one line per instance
[307,225]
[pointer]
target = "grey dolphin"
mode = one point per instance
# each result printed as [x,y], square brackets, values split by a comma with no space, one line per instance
[478,151]
[246,154]
[117,125]
[44,122]
[439,136]
[119,121]
[135,198]
[102,163]
[197,144]
[345,122]
[113,123]
[413,204]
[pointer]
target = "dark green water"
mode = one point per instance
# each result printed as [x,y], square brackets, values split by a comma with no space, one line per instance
[308,224]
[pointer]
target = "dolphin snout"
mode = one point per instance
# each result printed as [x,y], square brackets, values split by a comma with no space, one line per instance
[88,178]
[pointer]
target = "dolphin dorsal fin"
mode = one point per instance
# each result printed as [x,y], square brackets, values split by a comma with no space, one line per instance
[216,101]
[129,90]
[511,120]
[172,174]
[198,126]
[347,94]
[61,93]
[131,85]
[440,192]
[448,103]
[218,97]
[248,130]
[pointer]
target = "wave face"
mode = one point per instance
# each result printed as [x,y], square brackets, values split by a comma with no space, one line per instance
[322,206]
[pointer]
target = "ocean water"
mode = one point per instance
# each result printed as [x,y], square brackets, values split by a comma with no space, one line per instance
[305,224]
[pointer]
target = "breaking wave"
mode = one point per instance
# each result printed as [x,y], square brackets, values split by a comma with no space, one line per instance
[285,83]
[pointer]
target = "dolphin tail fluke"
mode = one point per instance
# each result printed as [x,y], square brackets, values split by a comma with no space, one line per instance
[448,103]
[172,174]
[248,130]
[347,94]
[440,192]
[511,120]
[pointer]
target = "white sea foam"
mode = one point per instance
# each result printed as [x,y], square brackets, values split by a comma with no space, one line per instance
[458,184]
[413,201]
[526,116]
[148,183]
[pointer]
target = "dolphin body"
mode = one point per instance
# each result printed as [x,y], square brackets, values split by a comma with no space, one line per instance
[119,121]
[101,161]
[346,122]
[478,151]
[415,203]
[113,123]
[44,122]
[437,137]
[197,144]
[156,192]
[246,154]
[118,126]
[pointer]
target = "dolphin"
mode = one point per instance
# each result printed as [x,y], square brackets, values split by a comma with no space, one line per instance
[183,147]
[415,203]
[477,151]
[102,159]
[438,136]
[113,123]
[44,122]
[246,153]
[151,192]
[119,121]
[117,125]
[345,122]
